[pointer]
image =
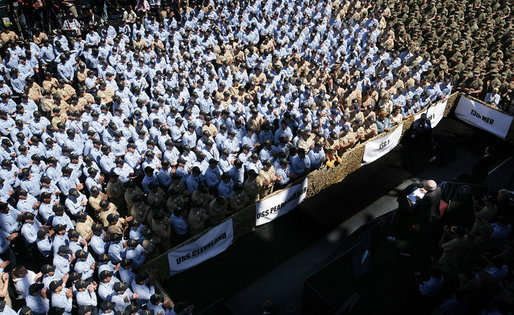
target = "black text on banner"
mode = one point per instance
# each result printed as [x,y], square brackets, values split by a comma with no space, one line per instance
[209,245]
[277,205]
[483,117]
[381,146]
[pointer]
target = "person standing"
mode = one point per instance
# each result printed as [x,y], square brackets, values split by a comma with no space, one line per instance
[480,170]
[429,213]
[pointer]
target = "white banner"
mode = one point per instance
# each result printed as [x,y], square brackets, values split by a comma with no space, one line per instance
[273,207]
[209,245]
[378,147]
[434,113]
[483,117]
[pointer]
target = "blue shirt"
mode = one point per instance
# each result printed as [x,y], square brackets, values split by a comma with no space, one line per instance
[225,189]
[300,166]
[147,180]
[284,173]
[192,182]
[316,157]
[9,221]
[212,177]
[37,304]
[47,53]
[67,183]
[62,301]
[237,174]
[179,224]
[381,124]
[115,251]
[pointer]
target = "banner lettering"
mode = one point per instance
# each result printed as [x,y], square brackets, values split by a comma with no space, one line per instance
[434,113]
[273,207]
[207,246]
[378,147]
[483,117]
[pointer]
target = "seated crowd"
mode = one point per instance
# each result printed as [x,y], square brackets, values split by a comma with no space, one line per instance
[118,142]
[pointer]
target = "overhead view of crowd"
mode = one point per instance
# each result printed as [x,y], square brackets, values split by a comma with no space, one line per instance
[122,138]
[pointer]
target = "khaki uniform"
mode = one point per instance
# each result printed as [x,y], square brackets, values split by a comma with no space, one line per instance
[35,92]
[234,89]
[399,84]
[82,75]
[116,228]
[224,103]
[265,182]
[106,95]
[240,55]
[140,44]
[347,141]
[371,130]
[116,193]
[48,105]
[196,220]
[85,228]
[368,101]
[7,298]
[139,211]
[306,144]
[371,114]
[216,212]
[390,91]
[57,119]
[388,44]
[157,44]
[410,83]
[156,198]
[382,24]
[162,229]
[63,106]
[129,194]
[251,189]
[255,122]
[213,131]
[260,79]
[331,146]
[344,10]
[95,202]
[355,94]
[200,198]
[374,95]
[302,69]
[8,36]
[102,215]
[357,115]
[171,203]
[84,100]
[220,98]
[238,201]
[39,39]
[66,92]
[267,46]
[228,56]
[217,50]
[180,187]
[361,133]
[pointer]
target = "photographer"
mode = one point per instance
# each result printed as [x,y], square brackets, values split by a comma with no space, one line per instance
[71,26]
